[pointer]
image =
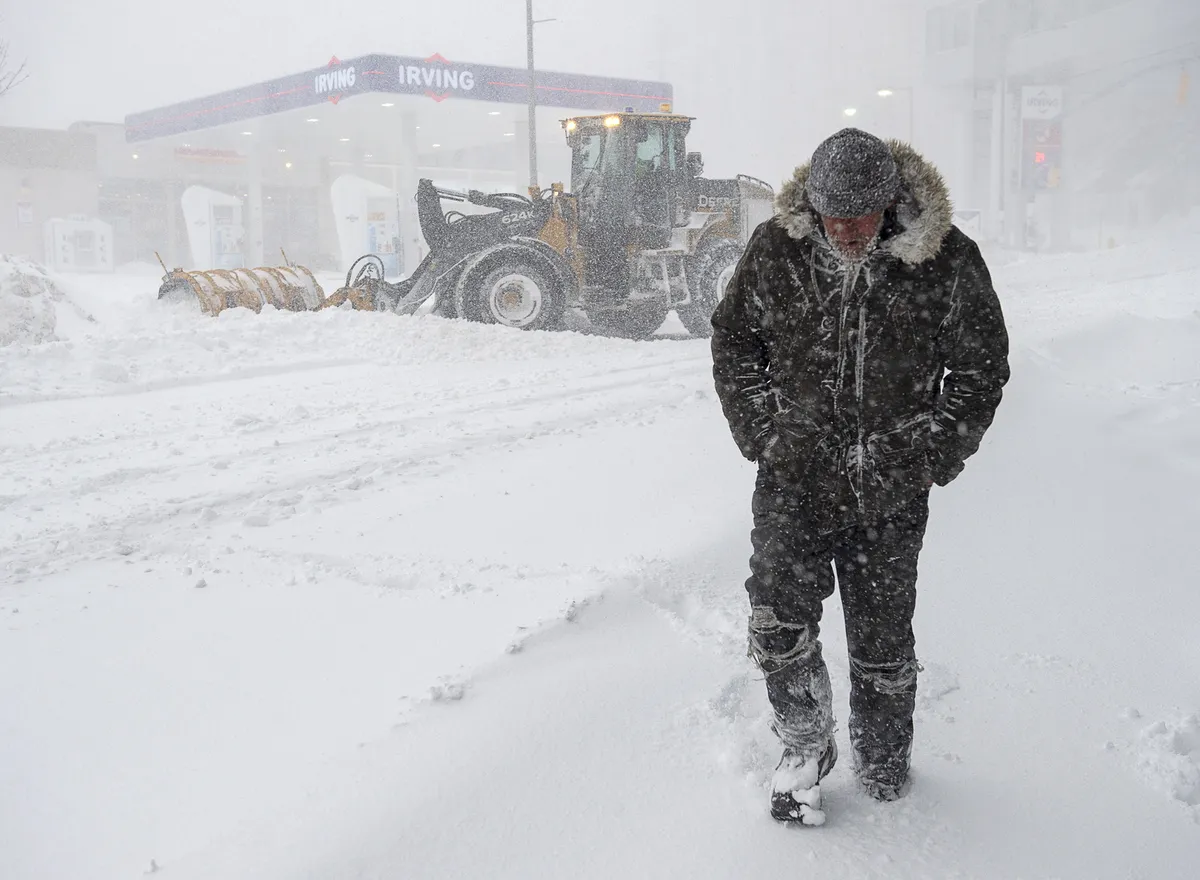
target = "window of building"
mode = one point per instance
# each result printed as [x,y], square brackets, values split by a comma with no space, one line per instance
[1028,16]
[948,28]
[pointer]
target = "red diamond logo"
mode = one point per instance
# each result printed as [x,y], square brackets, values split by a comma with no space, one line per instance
[442,59]
[334,61]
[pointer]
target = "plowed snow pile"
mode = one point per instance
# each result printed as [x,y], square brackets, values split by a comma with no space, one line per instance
[28,302]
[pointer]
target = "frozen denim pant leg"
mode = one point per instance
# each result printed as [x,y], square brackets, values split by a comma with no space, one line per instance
[797,682]
[791,575]
[877,575]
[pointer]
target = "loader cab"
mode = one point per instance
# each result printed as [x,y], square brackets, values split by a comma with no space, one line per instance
[631,176]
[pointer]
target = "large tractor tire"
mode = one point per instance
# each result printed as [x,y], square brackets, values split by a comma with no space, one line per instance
[708,274]
[632,323]
[511,289]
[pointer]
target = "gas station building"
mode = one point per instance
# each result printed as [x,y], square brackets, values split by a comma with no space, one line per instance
[322,164]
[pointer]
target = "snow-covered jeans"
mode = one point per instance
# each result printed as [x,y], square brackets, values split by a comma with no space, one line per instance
[792,573]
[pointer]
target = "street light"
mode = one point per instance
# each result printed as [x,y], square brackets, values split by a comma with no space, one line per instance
[887,93]
[529,23]
[849,111]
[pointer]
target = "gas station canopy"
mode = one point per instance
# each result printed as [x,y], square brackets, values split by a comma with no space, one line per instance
[326,162]
[434,77]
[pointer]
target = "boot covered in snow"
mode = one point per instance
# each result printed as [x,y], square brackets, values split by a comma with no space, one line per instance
[884,791]
[796,786]
[882,772]
[882,700]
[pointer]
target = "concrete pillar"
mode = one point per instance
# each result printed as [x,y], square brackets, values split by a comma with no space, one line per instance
[1016,200]
[329,246]
[1060,206]
[992,228]
[253,220]
[520,152]
[413,248]
[173,210]
[554,157]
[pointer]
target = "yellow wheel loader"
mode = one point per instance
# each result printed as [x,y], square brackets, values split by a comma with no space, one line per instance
[641,232]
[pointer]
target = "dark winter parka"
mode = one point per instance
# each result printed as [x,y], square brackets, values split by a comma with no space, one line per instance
[831,374]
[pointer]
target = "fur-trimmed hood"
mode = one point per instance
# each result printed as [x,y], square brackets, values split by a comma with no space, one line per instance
[923,212]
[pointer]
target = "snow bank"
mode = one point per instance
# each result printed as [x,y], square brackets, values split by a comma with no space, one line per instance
[28,299]
[144,344]
[1048,295]
[1131,351]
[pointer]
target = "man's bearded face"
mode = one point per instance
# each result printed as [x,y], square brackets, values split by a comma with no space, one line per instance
[853,237]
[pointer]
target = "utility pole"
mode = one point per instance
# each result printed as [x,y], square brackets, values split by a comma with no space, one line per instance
[532,100]
[533,175]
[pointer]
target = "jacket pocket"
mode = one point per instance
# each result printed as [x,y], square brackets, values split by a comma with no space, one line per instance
[910,437]
[900,459]
[803,462]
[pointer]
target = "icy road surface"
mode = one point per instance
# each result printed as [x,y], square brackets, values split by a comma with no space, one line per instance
[357,596]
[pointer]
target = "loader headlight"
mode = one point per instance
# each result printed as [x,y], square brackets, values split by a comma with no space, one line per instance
[572,125]
[612,121]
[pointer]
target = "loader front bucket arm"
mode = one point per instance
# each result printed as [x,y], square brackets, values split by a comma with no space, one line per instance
[434,226]
[366,289]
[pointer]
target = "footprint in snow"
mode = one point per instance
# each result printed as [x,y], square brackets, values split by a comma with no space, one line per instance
[448,691]
[933,684]
[1168,759]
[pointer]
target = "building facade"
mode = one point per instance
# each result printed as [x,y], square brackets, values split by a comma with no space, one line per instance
[44,175]
[1070,123]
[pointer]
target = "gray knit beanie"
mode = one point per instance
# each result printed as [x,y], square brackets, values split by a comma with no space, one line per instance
[853,174]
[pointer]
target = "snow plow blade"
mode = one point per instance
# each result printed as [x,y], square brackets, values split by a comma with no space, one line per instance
[289,288]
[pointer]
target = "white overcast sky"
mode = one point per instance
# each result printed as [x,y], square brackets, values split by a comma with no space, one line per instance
[767,78]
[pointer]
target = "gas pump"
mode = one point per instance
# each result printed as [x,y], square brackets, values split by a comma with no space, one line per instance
[78,244]
[214,227]
[383,233]
[366,216]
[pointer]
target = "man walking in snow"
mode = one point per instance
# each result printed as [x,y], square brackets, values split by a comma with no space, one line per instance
[859,355]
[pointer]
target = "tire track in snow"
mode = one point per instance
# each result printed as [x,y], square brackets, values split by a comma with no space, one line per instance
[152,498]
[504,401]
[263,372]
[504,397]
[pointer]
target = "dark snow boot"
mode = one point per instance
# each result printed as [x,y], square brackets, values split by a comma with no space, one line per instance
[885,775]
[796,786]
[884,791]
[882,700]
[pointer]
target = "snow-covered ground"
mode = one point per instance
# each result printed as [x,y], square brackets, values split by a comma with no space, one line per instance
[346,595]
